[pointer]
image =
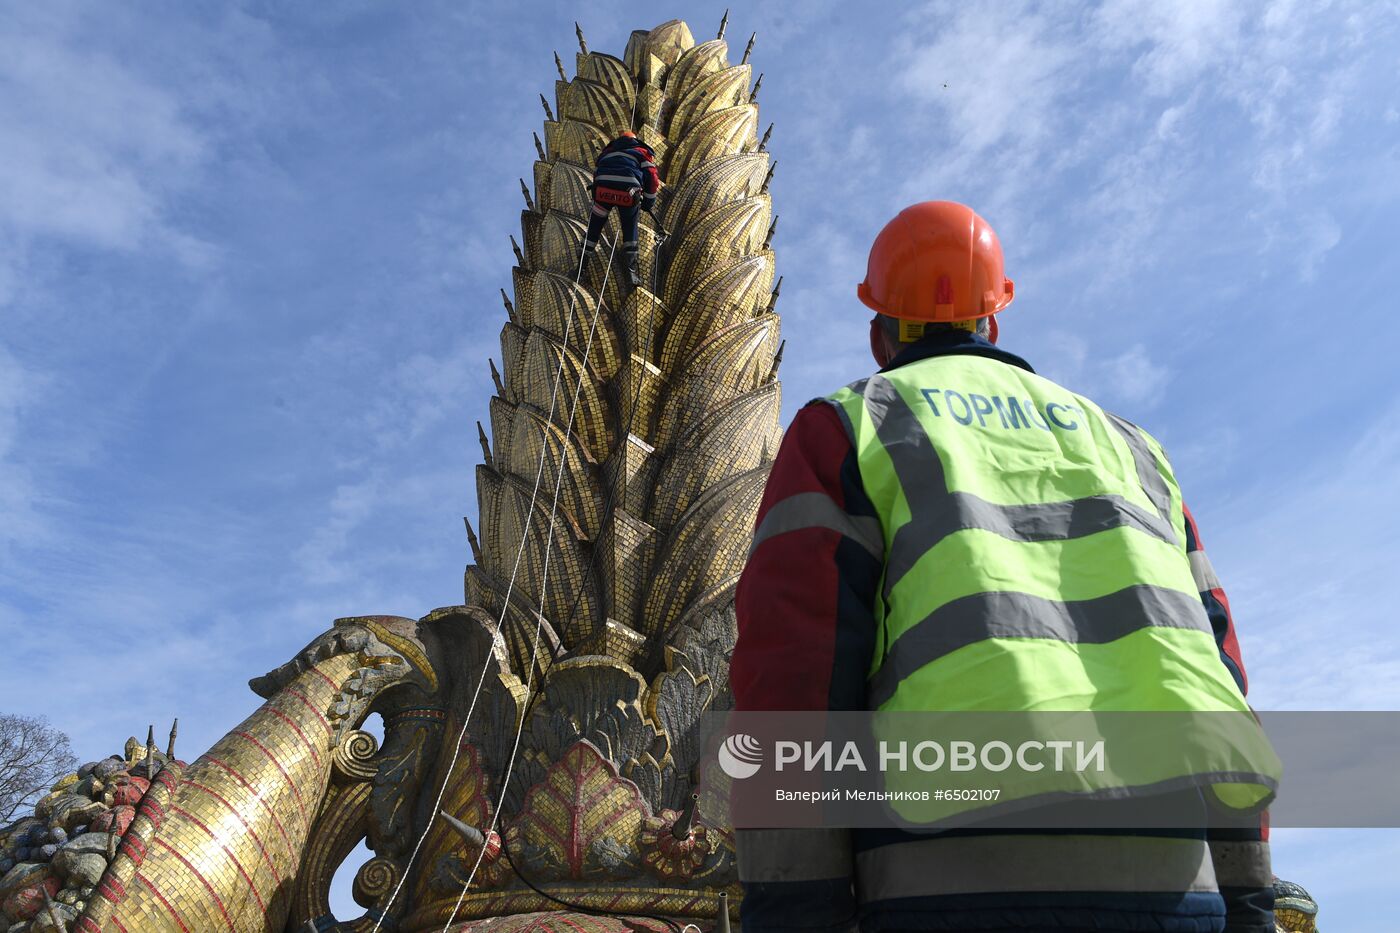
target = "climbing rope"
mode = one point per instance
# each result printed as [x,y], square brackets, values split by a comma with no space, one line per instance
[510,586]
[535,647]
[544,581]
[501,621]
[533,696]
[610,491]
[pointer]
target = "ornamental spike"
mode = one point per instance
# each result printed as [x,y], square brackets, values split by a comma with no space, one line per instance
[539,147]
[772,167]
[496,373]
[762,143]
[753,95]
[559,66]
[170,747]
[529,201]
[773,300]
[747,49]
[485,444]
[548,113]
[722,914]
[471,834]
[57,921]
[777,358]
[578,31]
[772,228]
[519,256]
[723,23]
[151,752]
[686,821]
[472,541]
[510,309]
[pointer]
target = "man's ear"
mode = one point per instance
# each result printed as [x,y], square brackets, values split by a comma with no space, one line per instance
[879,348]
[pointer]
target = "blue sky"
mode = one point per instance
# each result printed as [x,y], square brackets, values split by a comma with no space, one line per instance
[249,261]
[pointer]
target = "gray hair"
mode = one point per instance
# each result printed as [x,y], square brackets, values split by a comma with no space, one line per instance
[891,327]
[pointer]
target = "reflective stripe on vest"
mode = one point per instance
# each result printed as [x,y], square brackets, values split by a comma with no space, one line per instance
[1035,559]
[767,856]
[1015,510]
[1242,864]
[1028,863]
[818,510]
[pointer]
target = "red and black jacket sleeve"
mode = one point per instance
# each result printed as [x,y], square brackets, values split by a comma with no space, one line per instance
[651,180]
[806,598]
[1241,856]
[806,635]
[1217,604]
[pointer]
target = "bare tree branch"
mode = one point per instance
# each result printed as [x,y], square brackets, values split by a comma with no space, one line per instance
[33,754]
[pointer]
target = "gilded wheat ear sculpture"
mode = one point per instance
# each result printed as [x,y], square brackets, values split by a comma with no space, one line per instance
[602,666]
[659,474]
[676,400]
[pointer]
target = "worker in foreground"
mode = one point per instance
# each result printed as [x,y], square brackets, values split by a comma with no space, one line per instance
[958,533]
[624,177]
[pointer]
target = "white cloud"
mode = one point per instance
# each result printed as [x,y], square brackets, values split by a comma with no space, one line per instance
[1134,378]
[1127,381]
[1323,233]
[18,389]
[1208,455]
[93,156]
[1311,554]
[423,389]
[824,325]
[1062,357]
[1168,123]
[349,507]
[996,70]
[91,150]
[1184,39]
[1225,118]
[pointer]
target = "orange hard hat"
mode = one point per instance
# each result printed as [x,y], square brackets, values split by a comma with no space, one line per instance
[936,261]
[629,133]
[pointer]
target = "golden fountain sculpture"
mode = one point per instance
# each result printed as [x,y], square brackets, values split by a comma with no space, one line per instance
[659,473]
[659,476]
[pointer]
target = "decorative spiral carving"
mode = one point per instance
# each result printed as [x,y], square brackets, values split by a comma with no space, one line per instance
[354,756]
[375,879]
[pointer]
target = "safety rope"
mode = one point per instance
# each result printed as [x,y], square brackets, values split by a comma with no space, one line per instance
[610,491]
[505,603]
[544,581]
[534,696]
[609,506]
[531,694]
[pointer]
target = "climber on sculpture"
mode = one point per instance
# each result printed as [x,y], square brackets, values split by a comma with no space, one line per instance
[956,533]
[624,177]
